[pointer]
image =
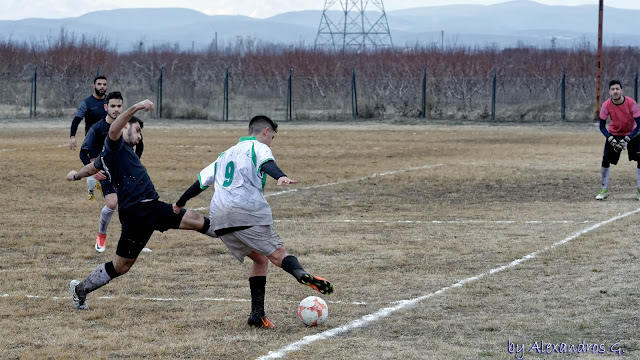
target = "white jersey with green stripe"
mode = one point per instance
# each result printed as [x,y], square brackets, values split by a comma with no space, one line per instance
[238,181]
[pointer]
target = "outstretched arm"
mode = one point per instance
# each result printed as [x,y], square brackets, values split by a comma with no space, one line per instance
[87,170]
[191,192]
[271,169]
[122,119]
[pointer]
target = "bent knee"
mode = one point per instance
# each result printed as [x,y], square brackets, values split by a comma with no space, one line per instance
[111,201]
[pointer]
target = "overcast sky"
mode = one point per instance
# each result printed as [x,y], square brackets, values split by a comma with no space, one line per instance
[54,9]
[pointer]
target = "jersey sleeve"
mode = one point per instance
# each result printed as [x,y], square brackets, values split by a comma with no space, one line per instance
[89,146]
[635,111]
[207,176]
[263,154]
[113,146]
[604,111]
[82,109]
[99,163]
[89,140]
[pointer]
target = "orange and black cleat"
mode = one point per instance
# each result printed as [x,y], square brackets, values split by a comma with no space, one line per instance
[260,322]
[317,283]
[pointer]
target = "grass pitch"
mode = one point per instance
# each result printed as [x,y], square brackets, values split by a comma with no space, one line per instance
[386,213]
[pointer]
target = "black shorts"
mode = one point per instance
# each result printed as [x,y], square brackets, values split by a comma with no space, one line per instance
[107,187]
[611,156]
[140,221]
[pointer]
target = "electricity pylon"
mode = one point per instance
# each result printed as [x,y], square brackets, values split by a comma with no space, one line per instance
[360,25]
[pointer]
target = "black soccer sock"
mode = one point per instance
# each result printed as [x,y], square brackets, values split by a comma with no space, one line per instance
[291,265]
[205,227]
[257,286]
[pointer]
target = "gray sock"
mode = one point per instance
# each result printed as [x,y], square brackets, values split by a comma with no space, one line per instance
[97,279]
[105,219]
[604,176]
[91,183]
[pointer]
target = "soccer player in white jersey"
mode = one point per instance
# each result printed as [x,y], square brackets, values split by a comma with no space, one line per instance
[241,216]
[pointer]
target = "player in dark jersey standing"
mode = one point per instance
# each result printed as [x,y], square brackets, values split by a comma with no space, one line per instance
[91,110]
[139,208]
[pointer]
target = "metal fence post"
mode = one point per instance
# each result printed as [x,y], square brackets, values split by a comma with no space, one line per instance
[161,90]
[493,97]
[289,102]
[354,95]
[98,71]
[159,95]
[32,101]
[635,86]
[563,93]
[35,92]
[225,104]
[424,93]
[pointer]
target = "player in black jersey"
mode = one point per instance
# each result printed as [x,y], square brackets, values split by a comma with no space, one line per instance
[92,147]
[139,208]
[91,110]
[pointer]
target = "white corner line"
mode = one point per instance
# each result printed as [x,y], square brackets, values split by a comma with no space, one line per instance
[343,181]
[385,312]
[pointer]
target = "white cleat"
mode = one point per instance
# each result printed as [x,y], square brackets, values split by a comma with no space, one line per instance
[78,303]
[604,193]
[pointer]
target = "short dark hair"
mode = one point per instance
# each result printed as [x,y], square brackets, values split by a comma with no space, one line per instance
[113,95]
[260,122]
[615,82]
[99,77]
[134,120]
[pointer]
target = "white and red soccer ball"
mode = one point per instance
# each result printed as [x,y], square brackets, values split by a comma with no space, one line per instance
[313,311]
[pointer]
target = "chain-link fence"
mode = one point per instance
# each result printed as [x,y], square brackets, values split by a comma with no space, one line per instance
[329,98]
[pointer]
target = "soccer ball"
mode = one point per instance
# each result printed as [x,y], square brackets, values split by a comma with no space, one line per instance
[313,311]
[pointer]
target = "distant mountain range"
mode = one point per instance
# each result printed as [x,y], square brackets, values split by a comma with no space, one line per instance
[510,24]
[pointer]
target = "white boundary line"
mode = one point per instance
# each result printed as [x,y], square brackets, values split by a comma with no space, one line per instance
[344,181]
[28,296]
[385,312]
[458,221]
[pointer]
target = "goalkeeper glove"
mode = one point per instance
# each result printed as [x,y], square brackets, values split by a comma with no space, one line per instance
[624,142]
[614,143]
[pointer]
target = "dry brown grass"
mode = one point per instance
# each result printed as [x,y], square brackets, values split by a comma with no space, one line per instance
[499,194]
